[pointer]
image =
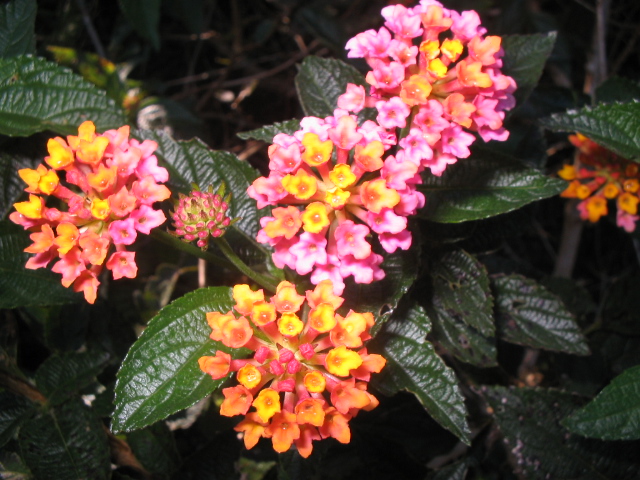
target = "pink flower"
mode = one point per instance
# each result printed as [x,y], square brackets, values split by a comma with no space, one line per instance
[145,218]
[309,251]
[353,99]
[392,241]
[123,264]
[386,221]
[123,232]
[392,113]
[350,240]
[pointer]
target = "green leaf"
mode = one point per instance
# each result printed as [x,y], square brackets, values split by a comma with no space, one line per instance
[14,410]
[17,24]
[60,376]
[37,95]
[194,162]
[414,366]
[155,447]
[320,81]
[382,297]
[615,126]
[524,59]
[19,286]
[160,374]
[462,308]
[454,471]
[617,89]
[528,314]
[267,133]
[66,442]
[482,186]
[615,412]
[529,420]
[144,17]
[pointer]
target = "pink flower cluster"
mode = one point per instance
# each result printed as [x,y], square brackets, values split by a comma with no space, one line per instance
[436,73]
[335,170]
[114,183]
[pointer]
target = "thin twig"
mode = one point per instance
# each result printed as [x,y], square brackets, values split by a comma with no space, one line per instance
[90,29]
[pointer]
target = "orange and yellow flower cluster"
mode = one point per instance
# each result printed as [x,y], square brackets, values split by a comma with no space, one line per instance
[308,376]
[599,176]
[112,183]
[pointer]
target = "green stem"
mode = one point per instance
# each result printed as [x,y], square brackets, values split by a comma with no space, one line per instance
[407,128]
[262,280]
[175,242]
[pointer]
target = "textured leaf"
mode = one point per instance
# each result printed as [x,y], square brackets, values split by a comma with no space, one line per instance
[14,410]
[462,308]
[66,442]
[60,376]
[160,374]
[454,471]
[155,448]
[484,185]
[529,421]
[22,287]
[267,133]
[38,95]
[524,59]
[615,126]
[321,81]
[414,366]
[615,412]
[17,22]
[144,16]
[618,89]
[382,297]
[528,314]
[194,162]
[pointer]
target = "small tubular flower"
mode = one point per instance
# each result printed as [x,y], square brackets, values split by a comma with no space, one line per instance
[298,386]
[109,193]
[599,177]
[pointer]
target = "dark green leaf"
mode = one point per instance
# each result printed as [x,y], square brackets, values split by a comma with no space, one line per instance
[17,22]
[617,89]
[22,287]
[267,133]
[529,421]
[524,59]
[614,414]
[615,126]
[190,12]
[194,162]
[528,314]
[63,375]
[160,374]
[37,95]
[66,442]
[14,410]
[482,186]
[12,467]
[156,448]
[462,308]
[321,81]
[144,16]
[382,297]
[414,366]
[455,471]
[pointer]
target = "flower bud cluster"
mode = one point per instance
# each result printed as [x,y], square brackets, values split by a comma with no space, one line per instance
[308,375]
[201,215]
[599,176]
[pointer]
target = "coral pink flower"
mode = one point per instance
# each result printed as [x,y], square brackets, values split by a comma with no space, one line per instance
[112,185]
[306,391]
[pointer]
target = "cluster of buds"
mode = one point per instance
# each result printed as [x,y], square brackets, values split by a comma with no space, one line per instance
[598,176]
[346,185]
[201,215]
[435,73]
[113,182]
[308,376]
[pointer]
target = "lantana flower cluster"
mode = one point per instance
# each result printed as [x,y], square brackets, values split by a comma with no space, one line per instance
[598,176]
[308,376]
[112,183]
[435,72]
[336,171]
